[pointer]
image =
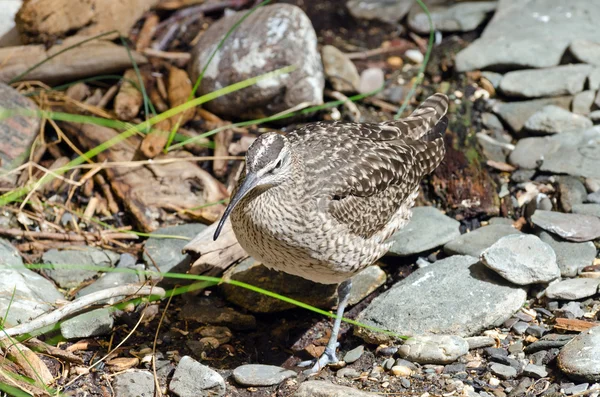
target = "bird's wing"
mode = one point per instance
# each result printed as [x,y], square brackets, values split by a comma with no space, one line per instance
[366,171]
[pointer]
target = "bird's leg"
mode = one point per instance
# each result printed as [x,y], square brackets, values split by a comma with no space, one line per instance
[329,356]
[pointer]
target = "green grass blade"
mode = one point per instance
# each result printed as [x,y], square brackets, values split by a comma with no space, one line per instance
[13,391]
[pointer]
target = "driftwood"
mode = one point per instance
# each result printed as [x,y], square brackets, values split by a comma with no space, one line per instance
[152,193]
[214,257]
[89,59]
[44,21]
[573,324]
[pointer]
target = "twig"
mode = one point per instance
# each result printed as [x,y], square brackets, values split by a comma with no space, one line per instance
[113,207]
[83,236]
[351,106]
[169,55]
[377,51]
[78,304]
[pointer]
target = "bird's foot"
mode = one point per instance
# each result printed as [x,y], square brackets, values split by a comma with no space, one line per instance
[327,358]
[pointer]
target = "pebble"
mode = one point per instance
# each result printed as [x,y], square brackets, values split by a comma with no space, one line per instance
[555,120]
[261,375]
[428,228]
[571,257]
[386,11]
[388,364]
[571,310]
[460,17]
[321,388]
[133,382]
[405,383]
[580,359]
[435,349]
[476,342]
[535,371]
[354,354]
[520,327]
[192,379]
[93,323]
[530,152]
[339,70]
[503,371]
[371,79]
[401,370]
[535,83]
[347,373]
[536,330]
[522,259]
[477,241]
[573,227]
[415,56]
[573,289]
[582,102]
[515,114]
[575,389]
[548,342]
[577,154]
[571,192]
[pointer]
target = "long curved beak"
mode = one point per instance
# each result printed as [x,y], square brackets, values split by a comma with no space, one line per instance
[249,183]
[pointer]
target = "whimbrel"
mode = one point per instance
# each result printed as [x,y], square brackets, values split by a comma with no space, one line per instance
[321,201]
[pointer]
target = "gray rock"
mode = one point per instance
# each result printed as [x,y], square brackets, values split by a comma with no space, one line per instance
[549,341]
[573,289]
[500,221]
[520,327]
[587,209]
[594,79]
[434,349]
[490,147]
[115,279]
[33,294]
[532,34]
[370,80]
[522,175]
[503,371]
[475,242]
[92,323]
[461,17]
[322,295]
[515,114]
[571,191]
[582,102]
[491,121]
[428,228]
[69,277]
[535,371]
[17,133]
[592,184]
[321,388]
[272,37]
[580,359]
[575,389]
[530,152]
[390,11]
[536,330]
[554,120]
[594,197]
[536,83]
[166,252]
[347,372]
[570,257]
[476,342]
[133,382]
[522,259]
[340,70]
[586,51]
[571,310]
[595,116]
[192,379]
[354,354]
[261,375]
[578,154]
[572,227]
[457,296]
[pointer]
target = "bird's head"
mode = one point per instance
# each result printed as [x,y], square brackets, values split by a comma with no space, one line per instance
[268,163]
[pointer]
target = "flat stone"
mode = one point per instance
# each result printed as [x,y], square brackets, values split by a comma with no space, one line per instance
[490,148]
[536,83]
[573,289]
[554,120]
[321,388]
[522,175]
[516,114]
[192,379]
[531,34]
[340,70]
[520,327]
[475,242]
[572,227]
[89,257]
[209,311]
[322,295]
[594,79]
[503,371]
[570,257]
[491,121]
[16,132]
[167,252]
[535,371]
[575,389]
[587,209]
[93,323]
[530,152]
[522,259]
[457,296]
[428,228]
[272,37]
[461,17]
[571,191]
[586,51]
[33,294]
[549,341]
[354,354]
[261,375]
[571,310]
[133,382]
[583,102]
[390,11]
[578,154]
[594,197]
[476,342]
[580,359]
[434,349]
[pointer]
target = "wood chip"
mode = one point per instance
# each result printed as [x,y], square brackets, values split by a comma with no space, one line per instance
[129,99]
[122,363]
[573,324]
[147,31]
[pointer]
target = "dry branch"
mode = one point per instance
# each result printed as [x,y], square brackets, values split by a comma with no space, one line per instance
[90,59]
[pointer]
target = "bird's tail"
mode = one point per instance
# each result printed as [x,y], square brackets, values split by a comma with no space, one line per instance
[432,115]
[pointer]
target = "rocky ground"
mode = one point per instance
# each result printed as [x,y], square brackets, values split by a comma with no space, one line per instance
[496,278]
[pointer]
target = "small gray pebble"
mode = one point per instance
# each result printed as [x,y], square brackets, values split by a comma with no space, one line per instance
[354,354]
[536,330]
[347,373]
[520,327]
[405,383]
[388,364]
[535,371]
[503,371]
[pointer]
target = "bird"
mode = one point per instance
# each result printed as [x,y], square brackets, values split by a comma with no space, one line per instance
[321,201]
